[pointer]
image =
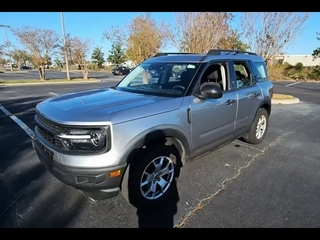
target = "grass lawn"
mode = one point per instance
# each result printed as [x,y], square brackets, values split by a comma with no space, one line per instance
[278,96]
[19,81]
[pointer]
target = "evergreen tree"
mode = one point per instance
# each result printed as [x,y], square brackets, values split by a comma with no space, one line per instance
[117,55]
[97,57]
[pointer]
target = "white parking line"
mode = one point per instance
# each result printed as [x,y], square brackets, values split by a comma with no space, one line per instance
[53,93]
[292,84]
[18,121]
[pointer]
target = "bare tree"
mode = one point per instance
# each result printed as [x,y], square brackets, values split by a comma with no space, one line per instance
[142,38]
[2,52]
[20,56]
[232,41]
[5,50]
[268,33]
[198,32]
[40,43]
[67,48]
[116,35]
[2,61]
[78,50]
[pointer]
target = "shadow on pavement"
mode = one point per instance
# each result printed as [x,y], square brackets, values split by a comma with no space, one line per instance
[28,196]
[159,217]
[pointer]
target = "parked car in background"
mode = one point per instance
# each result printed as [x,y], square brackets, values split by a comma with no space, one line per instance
[121,70]
[13,65]
[25,68]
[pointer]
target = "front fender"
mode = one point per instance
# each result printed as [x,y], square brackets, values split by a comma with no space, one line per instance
[153,135]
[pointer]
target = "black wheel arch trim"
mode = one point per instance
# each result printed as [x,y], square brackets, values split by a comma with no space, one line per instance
[263,104]
[266,102]
[152,135]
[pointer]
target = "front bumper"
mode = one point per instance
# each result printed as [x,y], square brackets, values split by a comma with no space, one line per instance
[95,182]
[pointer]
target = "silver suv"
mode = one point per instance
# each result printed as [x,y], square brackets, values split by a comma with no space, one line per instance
[134,137]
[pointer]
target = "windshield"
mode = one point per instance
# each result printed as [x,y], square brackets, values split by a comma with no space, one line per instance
[159,78]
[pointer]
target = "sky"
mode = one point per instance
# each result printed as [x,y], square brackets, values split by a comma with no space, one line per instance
[92,25]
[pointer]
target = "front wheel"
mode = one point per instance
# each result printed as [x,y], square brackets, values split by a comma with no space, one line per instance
[151,177]
[259,127]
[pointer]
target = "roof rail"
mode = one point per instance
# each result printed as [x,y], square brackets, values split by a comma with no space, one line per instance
[223,51]
[170,53]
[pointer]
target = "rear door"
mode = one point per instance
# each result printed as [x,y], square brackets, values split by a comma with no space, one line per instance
[248,92]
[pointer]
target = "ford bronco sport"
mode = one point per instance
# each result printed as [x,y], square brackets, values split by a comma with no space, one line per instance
[134,137]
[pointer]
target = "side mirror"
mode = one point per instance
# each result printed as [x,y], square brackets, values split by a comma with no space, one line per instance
[210,90]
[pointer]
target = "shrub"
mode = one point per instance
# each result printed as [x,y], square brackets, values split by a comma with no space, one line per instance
[297,72]
[299,66]
[276,72]
[299,76]
[313,76]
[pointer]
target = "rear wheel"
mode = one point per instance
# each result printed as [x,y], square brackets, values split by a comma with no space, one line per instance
[151,179]
[259,127]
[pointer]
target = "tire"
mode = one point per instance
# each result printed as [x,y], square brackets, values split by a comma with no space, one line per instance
[259,127]
[141,185]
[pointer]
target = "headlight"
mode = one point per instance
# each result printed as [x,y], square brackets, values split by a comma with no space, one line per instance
[84,139]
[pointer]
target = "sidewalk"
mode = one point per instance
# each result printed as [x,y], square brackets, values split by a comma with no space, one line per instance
[285,101]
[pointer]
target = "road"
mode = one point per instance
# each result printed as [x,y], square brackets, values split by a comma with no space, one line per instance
[275,184]
[50,74]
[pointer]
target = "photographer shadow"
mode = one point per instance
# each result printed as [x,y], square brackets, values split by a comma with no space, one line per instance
[161,213]
[161,216]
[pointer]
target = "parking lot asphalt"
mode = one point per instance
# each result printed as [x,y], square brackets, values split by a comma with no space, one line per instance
[279,187]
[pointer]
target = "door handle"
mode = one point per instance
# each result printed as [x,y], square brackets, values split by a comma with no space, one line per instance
[256,94]
[230,101]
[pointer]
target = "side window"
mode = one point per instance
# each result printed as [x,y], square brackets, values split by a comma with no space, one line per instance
[242,73]
[216,74]
[260,70]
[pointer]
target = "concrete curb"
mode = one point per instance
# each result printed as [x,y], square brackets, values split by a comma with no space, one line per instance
[287,101]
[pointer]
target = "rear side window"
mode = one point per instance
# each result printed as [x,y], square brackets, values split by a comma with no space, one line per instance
[260,70]
[242,73]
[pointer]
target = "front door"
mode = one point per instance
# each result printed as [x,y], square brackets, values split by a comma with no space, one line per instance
[212,120]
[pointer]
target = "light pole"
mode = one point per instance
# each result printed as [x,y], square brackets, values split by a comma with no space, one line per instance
[65,45]
[7,43]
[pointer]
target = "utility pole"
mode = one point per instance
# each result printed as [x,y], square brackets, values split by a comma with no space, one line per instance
[65,45]
[7,43]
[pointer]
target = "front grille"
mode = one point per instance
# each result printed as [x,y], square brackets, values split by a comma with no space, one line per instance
[50,124]
[49,130]
[49,136]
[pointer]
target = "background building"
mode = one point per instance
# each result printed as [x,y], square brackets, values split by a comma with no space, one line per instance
[306,60]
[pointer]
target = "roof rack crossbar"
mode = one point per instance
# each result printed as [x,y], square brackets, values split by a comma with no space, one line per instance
[210,52]
[170,53]
[220,51]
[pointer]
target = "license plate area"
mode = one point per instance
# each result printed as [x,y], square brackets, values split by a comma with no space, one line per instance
[47,151]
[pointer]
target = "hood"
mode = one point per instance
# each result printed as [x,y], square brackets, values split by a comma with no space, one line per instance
[102,105]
